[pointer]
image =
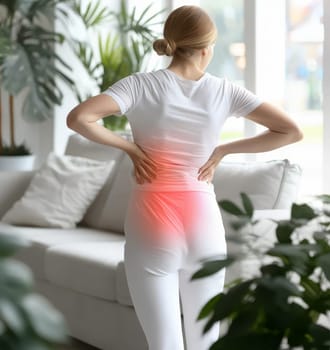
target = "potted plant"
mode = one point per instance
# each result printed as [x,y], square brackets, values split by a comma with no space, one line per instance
[118,54]
[286,305]
[29,63]
[27,320]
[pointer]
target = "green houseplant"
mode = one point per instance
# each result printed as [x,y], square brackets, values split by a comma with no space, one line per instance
[28,62]
[27,320]
[121,51]
[285,305]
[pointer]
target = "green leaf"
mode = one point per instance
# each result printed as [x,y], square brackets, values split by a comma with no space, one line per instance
[11,316]
[230,207]
[240,223]
[244,322]
[211,267]
[32,65]
[31,342]
[273,270]
[302,211]
[144,12]
[296,254]
[16,277]
[320,336]
[312,290]
[46,321]
[325,198]
[95,14]
[252,341]
[324,262]
[284,230]
[208,307]
[279,285]
[123,13]
[10,243]
[231,301]
[247,204]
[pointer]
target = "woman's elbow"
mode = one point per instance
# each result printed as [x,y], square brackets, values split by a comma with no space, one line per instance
[296,134]
[72,120]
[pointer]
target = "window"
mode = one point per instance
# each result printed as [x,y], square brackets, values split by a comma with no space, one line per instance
[303,89]
[288,36]
[229,51]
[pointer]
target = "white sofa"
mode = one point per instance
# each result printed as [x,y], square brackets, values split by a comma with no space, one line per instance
[81,270]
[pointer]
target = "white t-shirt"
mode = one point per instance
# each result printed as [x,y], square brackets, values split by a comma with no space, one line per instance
[177,121]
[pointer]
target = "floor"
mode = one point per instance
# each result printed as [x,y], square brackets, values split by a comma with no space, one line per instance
[77,345]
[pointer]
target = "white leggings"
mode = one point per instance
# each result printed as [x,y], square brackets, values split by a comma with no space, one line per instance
[167,233]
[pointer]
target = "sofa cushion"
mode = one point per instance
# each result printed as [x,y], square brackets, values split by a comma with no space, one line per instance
[60,192]
[270,184]
[80,146]
[13,186]
[114,210]
[122,291]
[96,215]
[86,267]
[42,239]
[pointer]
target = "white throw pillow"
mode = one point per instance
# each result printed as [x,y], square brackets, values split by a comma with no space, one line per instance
[60,192]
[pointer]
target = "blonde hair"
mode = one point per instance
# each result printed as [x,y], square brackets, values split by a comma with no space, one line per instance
[186,29]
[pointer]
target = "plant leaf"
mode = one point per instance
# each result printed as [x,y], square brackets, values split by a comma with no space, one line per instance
[302,211]
[324,262]
[16,278]
[230,207]
[11,316]
[208,307]
[10,243]
[247,204]
[46,321]
[284,230]
[211,267]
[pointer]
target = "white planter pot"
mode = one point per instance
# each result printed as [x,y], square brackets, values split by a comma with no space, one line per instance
[17,163]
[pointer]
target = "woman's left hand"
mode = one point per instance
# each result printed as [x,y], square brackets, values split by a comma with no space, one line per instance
[206,172]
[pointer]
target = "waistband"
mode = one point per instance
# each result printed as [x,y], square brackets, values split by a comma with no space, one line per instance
[201,186]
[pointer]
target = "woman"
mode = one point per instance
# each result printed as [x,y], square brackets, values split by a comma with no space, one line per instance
[173,220]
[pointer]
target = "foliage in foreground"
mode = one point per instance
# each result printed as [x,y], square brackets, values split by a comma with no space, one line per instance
[28,321]
[283,306]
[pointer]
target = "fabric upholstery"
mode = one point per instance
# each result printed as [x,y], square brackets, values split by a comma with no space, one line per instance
[60,192]
[276,187]
[41,239]
[13,185]
[114,210]
[262,181]
[86,267]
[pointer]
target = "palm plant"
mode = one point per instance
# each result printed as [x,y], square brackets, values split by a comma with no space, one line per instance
[28,61]
[119,54]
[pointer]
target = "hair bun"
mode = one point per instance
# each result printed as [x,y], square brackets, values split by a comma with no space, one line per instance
[164,47]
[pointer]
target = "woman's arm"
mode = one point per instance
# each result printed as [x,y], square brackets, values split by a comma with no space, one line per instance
[83,119]
[282,130]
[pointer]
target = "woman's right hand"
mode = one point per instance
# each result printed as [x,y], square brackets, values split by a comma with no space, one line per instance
[206,172]
[145,169]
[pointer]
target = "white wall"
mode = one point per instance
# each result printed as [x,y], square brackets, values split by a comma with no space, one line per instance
[52,134]
[83,81]
[38,137]
[326,99]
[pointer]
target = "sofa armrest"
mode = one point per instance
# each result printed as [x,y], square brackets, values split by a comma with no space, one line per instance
[275,214]
[12,186]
